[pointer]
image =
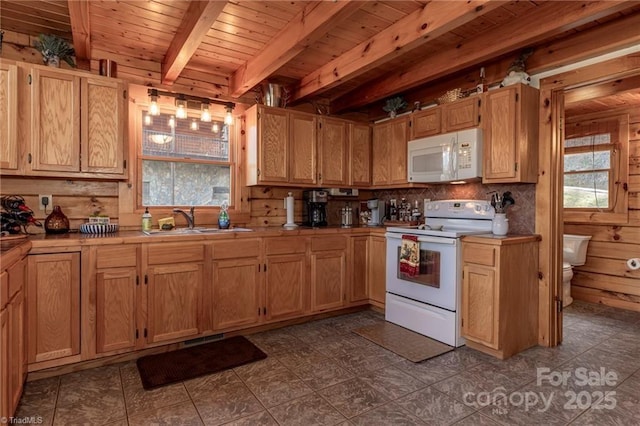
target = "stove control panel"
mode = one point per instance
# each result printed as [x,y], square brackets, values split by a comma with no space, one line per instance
[466,209]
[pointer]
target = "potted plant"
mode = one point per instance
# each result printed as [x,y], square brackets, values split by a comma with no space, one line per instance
[54,49]
[392,105]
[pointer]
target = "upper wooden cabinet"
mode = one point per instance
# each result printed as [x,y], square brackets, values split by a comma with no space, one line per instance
[461,114]
[359,158]
[333,151]
[511,135]
[389,152]
[426,123]
[301,149]
[9,113]
[73,124]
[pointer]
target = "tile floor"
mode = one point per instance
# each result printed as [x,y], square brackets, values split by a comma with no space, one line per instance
[320,373]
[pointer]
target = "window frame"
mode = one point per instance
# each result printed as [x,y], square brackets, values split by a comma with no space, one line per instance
[617,213]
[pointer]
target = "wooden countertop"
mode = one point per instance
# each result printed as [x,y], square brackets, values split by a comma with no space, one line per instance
[12,250]
[500,240]
[73,241]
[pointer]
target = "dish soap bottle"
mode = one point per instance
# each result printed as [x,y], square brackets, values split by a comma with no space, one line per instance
[223,217]
[146,220]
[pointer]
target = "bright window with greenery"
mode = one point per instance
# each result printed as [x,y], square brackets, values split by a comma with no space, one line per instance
[596,168]
[185,164]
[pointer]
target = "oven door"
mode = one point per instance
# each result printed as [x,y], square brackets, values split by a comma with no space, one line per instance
[438,277]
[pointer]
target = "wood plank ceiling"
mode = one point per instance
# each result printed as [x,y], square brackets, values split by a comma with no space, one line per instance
[350,53]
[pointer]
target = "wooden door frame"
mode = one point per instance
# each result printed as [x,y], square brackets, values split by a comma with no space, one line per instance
[549,214]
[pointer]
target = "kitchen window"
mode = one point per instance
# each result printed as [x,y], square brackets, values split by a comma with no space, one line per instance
[595,169]
[185,162]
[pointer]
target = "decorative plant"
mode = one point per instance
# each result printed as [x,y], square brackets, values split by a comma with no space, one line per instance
[392,105]
[52,46]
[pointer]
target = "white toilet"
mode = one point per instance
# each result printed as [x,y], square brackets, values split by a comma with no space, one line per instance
[574,251]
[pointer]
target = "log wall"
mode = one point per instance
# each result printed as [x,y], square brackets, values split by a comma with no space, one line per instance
[605,277]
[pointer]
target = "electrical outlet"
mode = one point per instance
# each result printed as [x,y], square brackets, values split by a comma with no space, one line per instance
[45,199]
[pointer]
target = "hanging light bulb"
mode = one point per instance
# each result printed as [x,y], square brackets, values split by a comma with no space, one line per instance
[148,120]
[216,127]
[154,109]
[181,105]
[205,116]
[194,125]
[172,122]
[228,118]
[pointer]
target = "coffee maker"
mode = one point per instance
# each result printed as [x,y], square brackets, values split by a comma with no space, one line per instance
[376,209]
[315,207]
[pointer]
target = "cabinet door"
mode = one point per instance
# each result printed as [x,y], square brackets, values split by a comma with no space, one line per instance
[55,129]
[333,152]
[500,147]
[360,154]
[53,306]
[377,269]
[273,142]
[17,348]
[359,274]
[236,293]
[461,114]
[380,149]
[480,305]
[102,126]
[174,295]
[285,286]
[328,280]
[302,148]
[9,114]
[116,309]
[398,150]
[426,123]
[5,382]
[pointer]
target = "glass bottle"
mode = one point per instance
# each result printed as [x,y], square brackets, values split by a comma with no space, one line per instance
[57,222]
[223,217]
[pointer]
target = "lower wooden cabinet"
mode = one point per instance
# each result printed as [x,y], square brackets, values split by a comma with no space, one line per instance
[236,288]
[116,307]
[377,270]
[53,307]
[286,286]
[5,349]
[328,259]
[500,294]
[357,285]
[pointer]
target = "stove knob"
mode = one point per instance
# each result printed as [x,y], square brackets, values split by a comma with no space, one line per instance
[478,208]
[437,207]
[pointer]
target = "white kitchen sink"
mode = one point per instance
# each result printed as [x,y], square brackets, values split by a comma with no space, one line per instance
[197,230]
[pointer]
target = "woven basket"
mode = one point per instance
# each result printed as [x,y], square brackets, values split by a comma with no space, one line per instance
[454,95]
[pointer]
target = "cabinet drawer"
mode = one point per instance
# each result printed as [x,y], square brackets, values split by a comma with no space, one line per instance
[236,249]
[328,243]
[479,254]
[160,254]
[116,256]
[285,245]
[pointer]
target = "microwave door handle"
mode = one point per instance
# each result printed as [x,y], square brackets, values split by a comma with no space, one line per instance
[454,158]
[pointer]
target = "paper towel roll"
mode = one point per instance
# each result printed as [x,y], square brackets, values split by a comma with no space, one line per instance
[288,205]
[633,264]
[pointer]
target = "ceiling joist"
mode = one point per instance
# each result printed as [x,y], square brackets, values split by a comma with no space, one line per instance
[488,45]
[418,28]
[309,25]
[197,21]
[81,31]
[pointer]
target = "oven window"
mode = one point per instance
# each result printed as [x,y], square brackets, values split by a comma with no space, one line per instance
[429,270]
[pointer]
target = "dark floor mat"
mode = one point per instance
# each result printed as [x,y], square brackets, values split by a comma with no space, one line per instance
[183,364]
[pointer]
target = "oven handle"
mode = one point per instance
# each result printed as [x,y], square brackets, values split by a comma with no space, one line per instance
[426,239]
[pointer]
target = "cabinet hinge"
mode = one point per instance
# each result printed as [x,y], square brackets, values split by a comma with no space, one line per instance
[479,103]
[137,334]
[258,172]
[479,118]
[264,310]
[410,123]
[517,97]
[265,267]
[146,279]
[319,124]
[29,158]
[137,280]
[558,304]
[461,322]
[124,164]
[259,267]
[145,332]
[124,94]
[516,167]
[29,79]
[258,311]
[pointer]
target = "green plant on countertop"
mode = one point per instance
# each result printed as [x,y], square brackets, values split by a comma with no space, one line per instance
[392,105]
[54,49]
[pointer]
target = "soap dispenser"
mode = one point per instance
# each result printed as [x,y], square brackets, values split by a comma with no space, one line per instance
[223,217]
[146,220]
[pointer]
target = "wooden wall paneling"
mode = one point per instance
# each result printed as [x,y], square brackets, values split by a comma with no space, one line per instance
[592,295]
[267,205]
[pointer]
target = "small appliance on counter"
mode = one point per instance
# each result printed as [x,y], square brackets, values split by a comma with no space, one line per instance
[315,207]
[376,212]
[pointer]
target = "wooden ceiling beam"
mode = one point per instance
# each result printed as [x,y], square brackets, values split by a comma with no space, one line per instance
[197,21]
[520,33]
[81,31]
[602,90]
[416,29]
[313,22]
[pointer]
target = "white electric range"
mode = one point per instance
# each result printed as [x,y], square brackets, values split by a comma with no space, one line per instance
[429,302]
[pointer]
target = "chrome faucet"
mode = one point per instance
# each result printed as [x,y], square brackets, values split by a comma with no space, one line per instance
[190,217]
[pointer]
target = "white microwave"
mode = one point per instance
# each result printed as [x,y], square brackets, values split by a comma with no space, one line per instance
[446,157]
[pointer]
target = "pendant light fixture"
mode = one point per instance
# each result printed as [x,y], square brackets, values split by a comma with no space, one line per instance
[205,115]
[154,109]
[181,103]
[181,107]
[228,118]
[216,127]
[194,125]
